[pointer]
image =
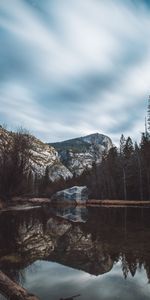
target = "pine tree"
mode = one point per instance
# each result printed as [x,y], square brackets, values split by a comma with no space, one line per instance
[129,165]
[122,144]
[145,154]
[113,172]
[123,165]
[139,166]
[148,116]
[128,148]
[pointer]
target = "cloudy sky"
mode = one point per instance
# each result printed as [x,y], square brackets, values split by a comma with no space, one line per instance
[74,67]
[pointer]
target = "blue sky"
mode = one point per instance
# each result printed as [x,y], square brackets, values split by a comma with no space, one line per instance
[74,67]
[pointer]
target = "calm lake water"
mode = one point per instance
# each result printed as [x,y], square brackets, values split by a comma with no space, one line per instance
[95,253]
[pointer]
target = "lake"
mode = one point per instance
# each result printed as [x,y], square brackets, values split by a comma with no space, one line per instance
[93,253]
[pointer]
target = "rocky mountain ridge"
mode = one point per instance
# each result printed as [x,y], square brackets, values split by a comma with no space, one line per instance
[42,157]
[63,159]
[81,153]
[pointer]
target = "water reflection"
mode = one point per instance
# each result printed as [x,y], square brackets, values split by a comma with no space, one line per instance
[74,214]
[57,254]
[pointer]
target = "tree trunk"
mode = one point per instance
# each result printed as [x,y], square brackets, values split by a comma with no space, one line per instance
[148,183]
[12,290]
[140,175]
[124,184]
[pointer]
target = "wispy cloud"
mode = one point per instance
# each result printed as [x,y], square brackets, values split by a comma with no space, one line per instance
[69,68]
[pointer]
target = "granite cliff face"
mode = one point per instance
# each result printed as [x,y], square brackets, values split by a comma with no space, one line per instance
[42,157]
[64,159]
[81,153]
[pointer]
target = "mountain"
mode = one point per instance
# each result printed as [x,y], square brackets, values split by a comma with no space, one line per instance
[62,159]
[42,157]
[81,153]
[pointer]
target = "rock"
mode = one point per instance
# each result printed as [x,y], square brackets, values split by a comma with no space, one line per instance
[77,213]
[42,157]
[81,153]
[73,195]
[64,159]
[58,171]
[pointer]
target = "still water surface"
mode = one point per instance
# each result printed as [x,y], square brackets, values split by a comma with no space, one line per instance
[95,253]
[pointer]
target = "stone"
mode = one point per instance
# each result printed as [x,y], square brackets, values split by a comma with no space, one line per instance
[78,213]
[73,195]
[81,153]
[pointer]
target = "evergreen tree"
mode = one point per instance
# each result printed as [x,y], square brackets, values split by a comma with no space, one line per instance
[145,154]
[123,166]
[138,163]
[113,173]
[128,148]
[148,115]
[122,144]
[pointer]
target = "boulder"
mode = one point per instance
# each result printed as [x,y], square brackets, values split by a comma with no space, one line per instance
[73,195]
[75,213]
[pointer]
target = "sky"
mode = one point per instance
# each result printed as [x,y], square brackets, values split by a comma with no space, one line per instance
[69,68]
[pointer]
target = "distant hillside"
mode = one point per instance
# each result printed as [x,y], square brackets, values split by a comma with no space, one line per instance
[80,153]
[76,145]
[63,159]
[82,144]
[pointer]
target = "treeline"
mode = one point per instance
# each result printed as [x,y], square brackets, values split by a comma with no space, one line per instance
[15,154]
[123,174]
[17,177]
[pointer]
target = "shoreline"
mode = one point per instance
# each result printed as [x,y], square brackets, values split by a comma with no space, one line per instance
[29,203]
[118,203]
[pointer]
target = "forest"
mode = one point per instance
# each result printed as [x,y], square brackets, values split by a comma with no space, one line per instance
[123,174]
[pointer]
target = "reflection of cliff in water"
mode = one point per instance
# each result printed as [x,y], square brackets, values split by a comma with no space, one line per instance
[109,235]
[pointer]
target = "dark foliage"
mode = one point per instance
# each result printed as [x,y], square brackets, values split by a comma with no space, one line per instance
[15,153]
[124,172]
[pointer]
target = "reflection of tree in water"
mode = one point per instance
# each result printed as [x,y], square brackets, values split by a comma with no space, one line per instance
[93,246]
[147,268]
[129,265]
[125,267]
[12,224]
[133,267]
[130,245]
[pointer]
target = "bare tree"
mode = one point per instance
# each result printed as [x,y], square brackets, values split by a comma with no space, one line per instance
[15,154]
